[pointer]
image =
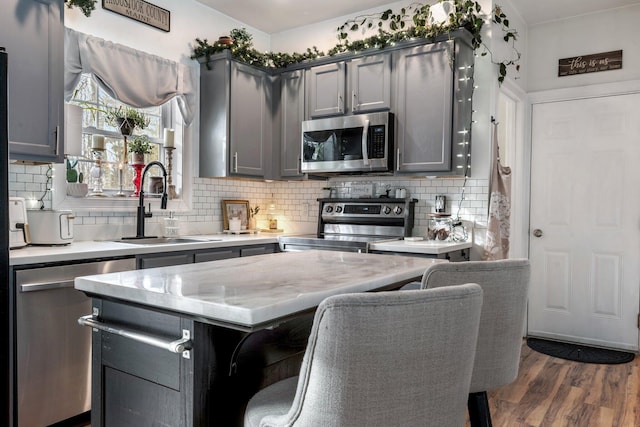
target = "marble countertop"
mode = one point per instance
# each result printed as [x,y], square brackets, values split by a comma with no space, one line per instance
[430,247]
[84,250]
[254,291]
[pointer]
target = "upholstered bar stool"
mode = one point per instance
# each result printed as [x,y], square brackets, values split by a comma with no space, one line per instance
[505,284]
[380,359]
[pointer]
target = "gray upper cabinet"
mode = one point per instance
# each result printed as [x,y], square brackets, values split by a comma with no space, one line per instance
[235,120]
[326,90]
[370,83]
[357,86]
[428,121]
[291,115]
[250,123]
[32,31]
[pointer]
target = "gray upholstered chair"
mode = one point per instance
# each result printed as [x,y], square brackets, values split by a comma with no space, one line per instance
[505,284]
[380,359]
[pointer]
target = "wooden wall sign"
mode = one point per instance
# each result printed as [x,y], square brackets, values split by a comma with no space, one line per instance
[141,11]
[590,63]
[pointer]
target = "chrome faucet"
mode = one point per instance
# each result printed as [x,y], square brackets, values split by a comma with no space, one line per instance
[141,214]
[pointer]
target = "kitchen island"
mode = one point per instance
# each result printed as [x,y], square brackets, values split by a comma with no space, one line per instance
[188,345]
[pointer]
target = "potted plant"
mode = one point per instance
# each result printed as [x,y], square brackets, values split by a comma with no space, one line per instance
[139,146]
[75,186]
[126,119]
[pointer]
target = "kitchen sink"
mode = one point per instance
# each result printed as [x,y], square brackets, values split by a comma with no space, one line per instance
[162,240]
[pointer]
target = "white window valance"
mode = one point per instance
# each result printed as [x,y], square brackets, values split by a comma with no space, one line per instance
[136,78]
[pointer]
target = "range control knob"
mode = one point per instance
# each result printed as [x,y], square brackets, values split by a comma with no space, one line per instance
[386,210]
[397,210]
[328,209]
[338,209]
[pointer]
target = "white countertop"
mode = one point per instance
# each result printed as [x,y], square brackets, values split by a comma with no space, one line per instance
[430,247]
[253,290]
[107,249]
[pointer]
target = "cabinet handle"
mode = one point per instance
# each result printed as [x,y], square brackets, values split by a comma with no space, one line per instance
[179,346]
[299,166]
[398,160]
[235,162]
[340,103]
[354,106]
[33,287]
[57,131]
[365,138]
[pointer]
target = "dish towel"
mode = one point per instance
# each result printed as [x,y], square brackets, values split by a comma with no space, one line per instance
[498,223]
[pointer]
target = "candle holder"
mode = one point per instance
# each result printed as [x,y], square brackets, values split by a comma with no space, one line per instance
[171,189]
[125,154]
[120,193]
[137,177]
[97,173]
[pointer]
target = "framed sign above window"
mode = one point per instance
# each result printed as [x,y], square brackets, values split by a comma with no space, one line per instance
[141,11]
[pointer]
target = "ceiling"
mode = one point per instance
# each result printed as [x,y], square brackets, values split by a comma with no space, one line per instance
[274,16]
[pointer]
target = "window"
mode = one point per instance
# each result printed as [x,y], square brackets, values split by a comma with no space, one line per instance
[94,102]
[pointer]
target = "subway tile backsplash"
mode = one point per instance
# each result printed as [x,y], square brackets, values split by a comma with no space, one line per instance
[295,207]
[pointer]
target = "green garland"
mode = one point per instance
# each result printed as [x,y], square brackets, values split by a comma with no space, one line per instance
[86,6]
[412,22]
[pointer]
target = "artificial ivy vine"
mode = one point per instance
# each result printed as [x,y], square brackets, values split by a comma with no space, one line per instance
[86,6]
[414,21]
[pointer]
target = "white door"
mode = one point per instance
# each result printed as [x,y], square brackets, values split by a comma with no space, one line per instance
[585,208]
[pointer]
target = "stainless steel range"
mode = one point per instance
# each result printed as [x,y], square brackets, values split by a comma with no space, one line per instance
[352,224]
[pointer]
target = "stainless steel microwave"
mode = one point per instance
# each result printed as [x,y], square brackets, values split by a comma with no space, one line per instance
[348,144]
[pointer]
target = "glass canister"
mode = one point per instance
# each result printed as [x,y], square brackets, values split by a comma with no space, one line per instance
[171,226]
[440,227]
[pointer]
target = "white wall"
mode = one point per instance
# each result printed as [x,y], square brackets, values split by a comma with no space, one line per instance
[504,52]
[323,35]
[614,29]
[189,20]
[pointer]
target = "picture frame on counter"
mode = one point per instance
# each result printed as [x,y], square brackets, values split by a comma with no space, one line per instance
[234,209]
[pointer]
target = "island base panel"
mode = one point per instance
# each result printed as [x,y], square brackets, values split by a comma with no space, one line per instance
[135,384]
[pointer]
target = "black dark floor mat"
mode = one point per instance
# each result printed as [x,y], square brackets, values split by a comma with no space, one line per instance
[579,352]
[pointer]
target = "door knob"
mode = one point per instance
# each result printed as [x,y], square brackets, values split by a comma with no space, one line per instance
[537,232]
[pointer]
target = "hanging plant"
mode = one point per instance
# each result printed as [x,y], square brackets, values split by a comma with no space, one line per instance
[414,21]
[86,6]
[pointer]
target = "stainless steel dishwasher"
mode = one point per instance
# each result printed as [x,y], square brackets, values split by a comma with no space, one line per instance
[53,352]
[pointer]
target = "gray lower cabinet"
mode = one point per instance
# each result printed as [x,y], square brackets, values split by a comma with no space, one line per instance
[202,255]
[215,255]
[163,260]
[32,31]
[433,107]
[258,250]
[235,120]
[453,256]
[136,384]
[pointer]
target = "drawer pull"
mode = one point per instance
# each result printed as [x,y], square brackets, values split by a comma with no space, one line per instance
[33,287]
[179,346]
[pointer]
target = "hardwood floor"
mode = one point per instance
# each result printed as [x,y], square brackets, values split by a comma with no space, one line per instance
[557,392]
